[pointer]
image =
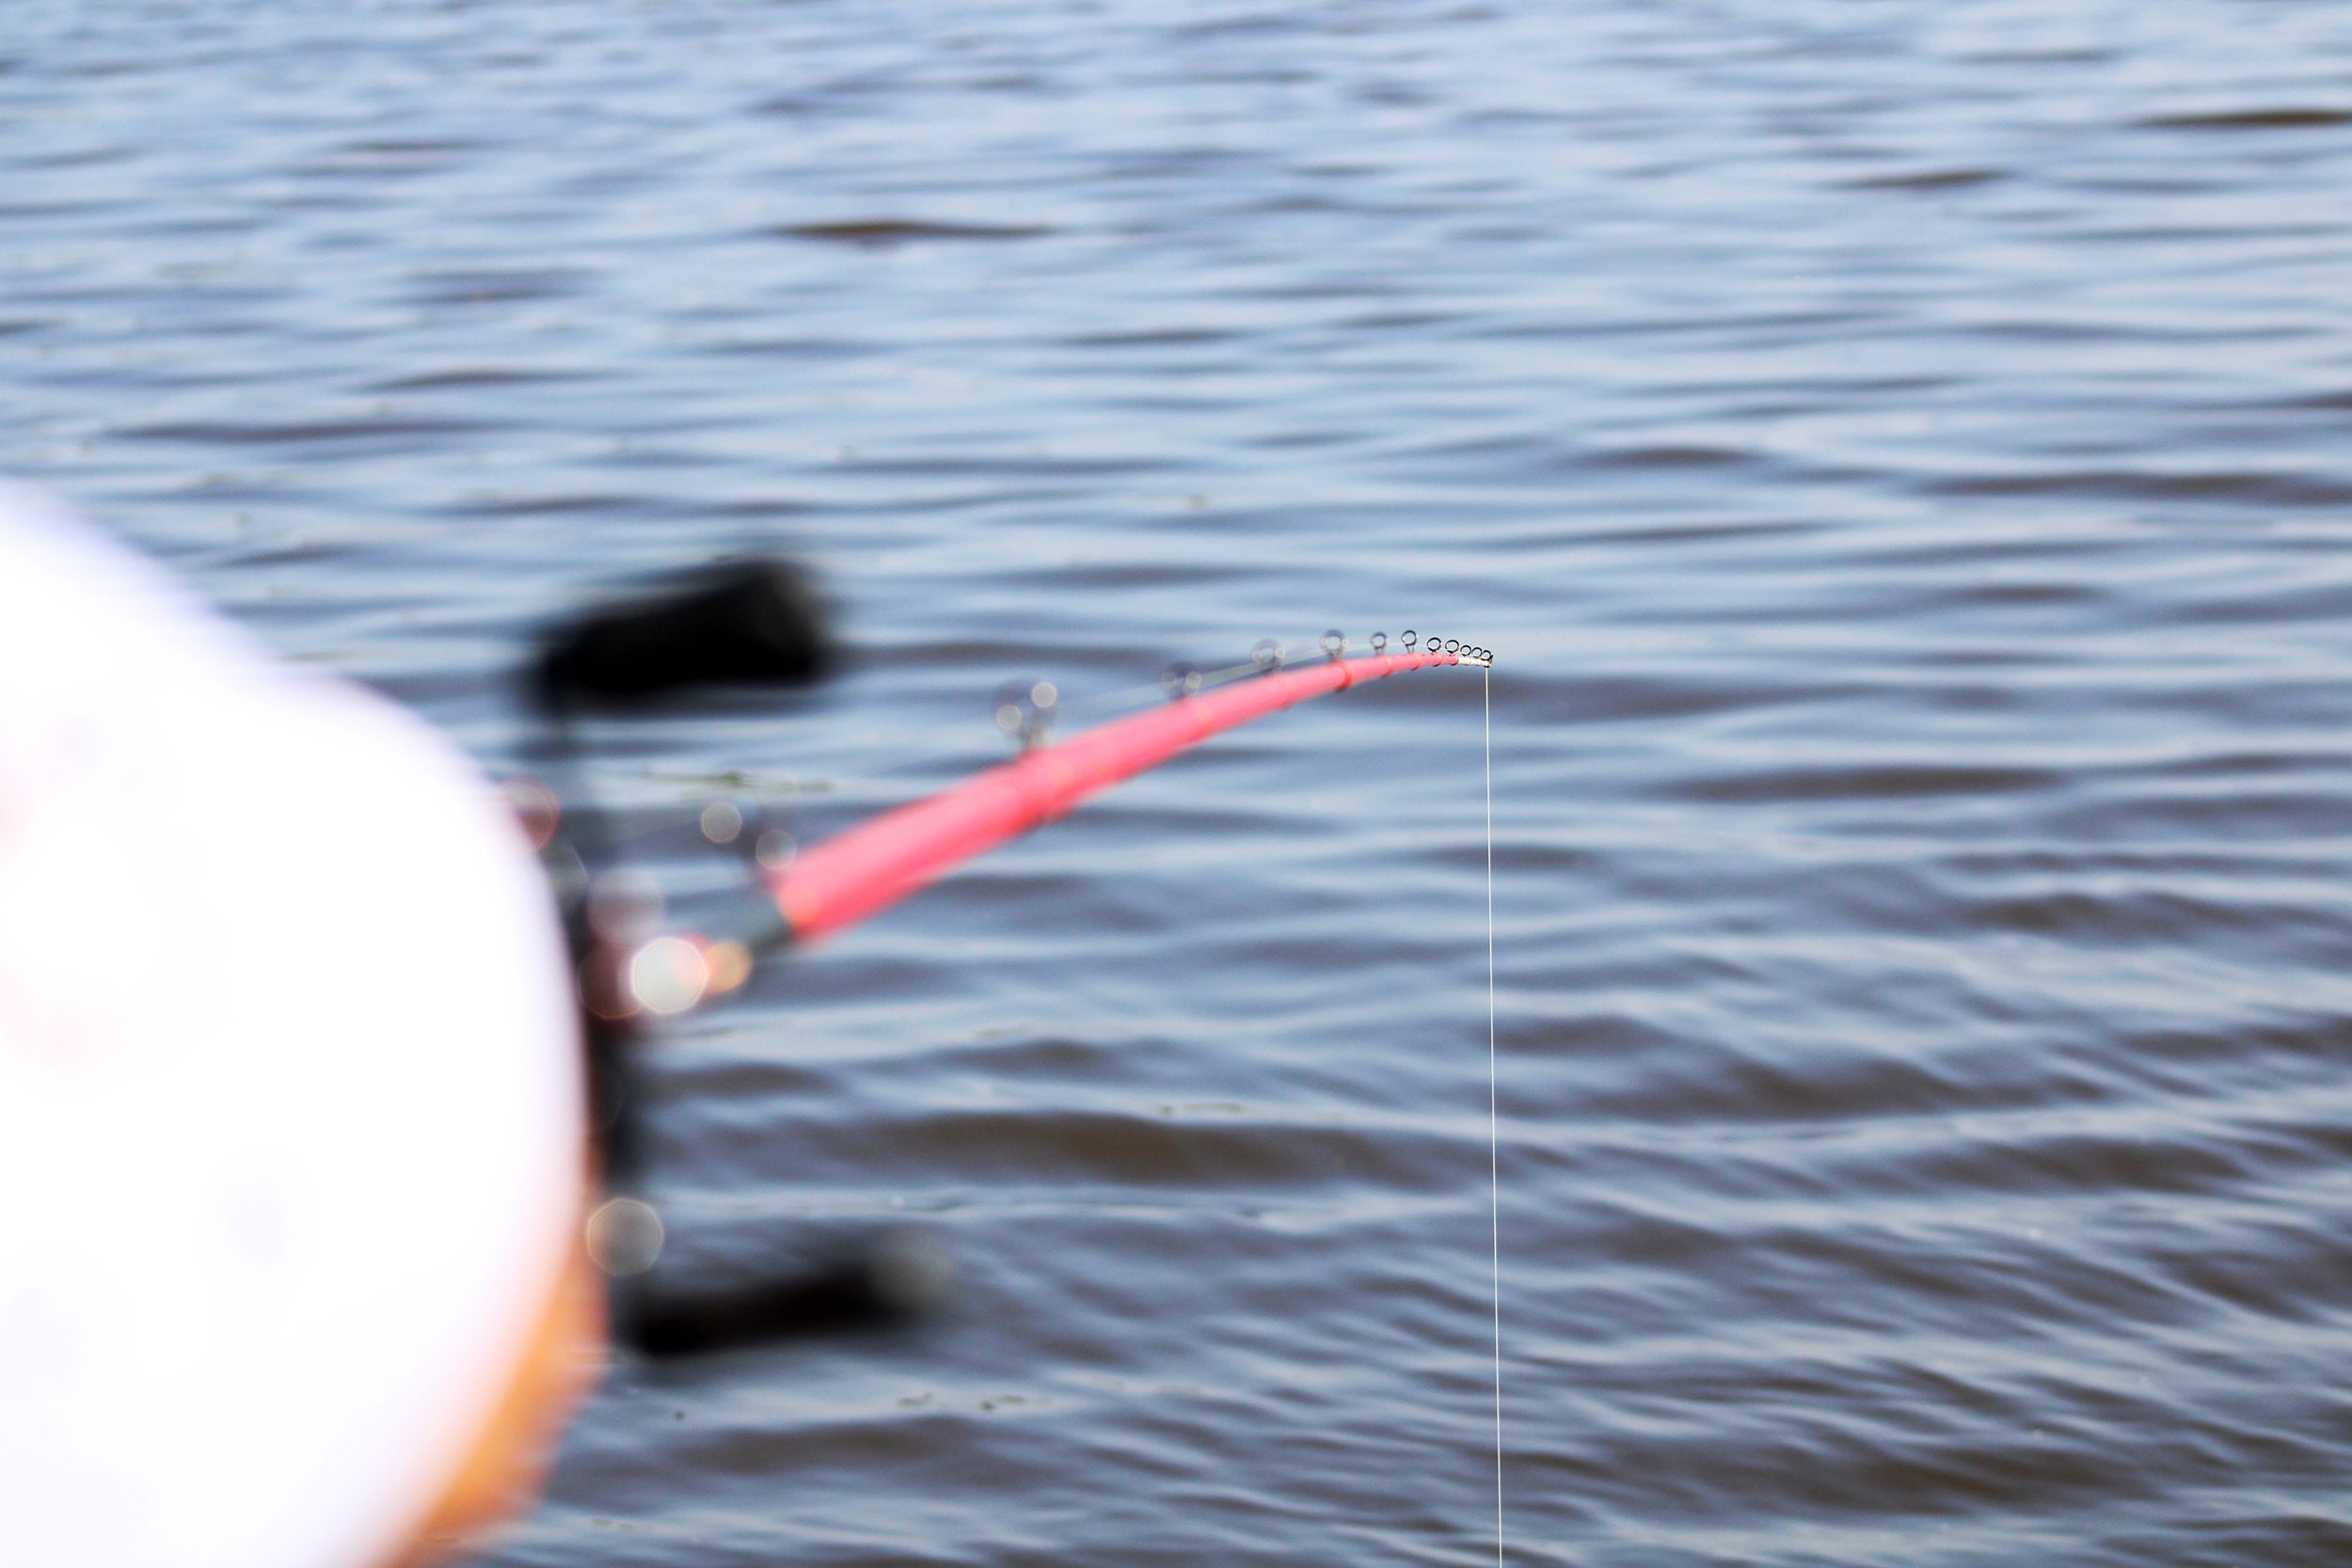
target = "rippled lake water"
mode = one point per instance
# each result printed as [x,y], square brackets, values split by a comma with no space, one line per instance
[1899,451]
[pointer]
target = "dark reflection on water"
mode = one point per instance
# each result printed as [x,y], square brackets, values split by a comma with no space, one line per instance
[1899,454]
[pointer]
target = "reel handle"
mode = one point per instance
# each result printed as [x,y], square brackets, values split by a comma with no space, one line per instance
[756,623]
[890,1280]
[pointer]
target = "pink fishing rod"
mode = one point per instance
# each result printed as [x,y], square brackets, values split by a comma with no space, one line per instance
[871,867]
[867,868]
[760,622]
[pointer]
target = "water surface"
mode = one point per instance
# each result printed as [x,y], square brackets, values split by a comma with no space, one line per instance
[1899,452]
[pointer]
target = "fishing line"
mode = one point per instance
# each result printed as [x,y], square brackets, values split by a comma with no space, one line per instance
[1494,1122]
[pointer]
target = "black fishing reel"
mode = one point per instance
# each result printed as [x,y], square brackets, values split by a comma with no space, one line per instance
[760,625]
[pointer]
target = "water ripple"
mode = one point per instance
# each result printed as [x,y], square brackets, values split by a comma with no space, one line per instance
[1896,452]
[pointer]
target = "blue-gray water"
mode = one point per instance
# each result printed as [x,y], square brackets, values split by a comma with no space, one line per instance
[1900,452]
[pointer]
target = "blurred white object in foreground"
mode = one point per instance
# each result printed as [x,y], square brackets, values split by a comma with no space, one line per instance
[289,1109]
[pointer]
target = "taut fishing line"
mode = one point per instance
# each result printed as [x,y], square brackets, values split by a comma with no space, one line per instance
[1494,1121]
